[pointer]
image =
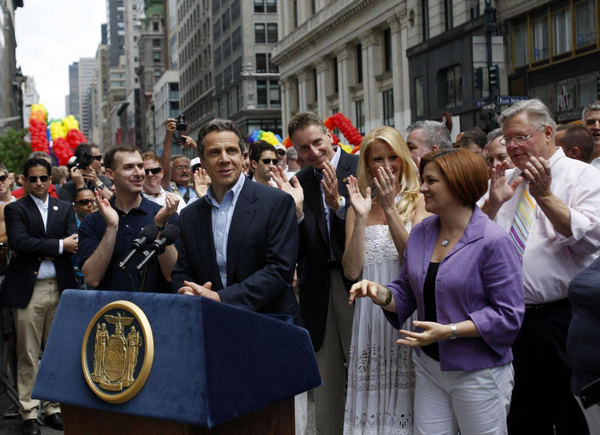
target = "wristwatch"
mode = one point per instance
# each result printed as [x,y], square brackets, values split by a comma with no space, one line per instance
[100,186]
[339,200]
[454,335]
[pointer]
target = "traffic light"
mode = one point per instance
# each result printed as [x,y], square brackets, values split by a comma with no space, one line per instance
[478,78]
[493,76]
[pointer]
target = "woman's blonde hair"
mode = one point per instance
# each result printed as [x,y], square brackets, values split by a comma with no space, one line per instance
[409,182]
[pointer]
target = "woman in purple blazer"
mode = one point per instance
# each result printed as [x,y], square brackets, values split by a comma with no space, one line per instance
[463,276]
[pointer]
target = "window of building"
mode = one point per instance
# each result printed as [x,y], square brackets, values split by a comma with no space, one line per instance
[359,73]
[236,38]
[448,15]
[155,26]
[225,20]
[273,68]
[425,19]
[561,31]
[218,57]
[388,107]
[156,56]
[450,89]
[261,94]
[315,85]
[261,62]
[336,86]
[156,42]
[585,24]
[235,10]
[226,48]
[387,50]
[217,29]
[520,46]
[360,116]
[237,68]
[541,49]
[274,94]
[272,32]
[262,6]
[295,12]
[420,96]
[474,9]
[260,33]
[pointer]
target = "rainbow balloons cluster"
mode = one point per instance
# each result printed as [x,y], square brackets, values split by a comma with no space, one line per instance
[267,136]
[64,133]
[338,120]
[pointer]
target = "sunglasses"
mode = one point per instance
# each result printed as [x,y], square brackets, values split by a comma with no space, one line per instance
[268,161]
[98,157]
[33,178]
[3,178]
[154,171]
[86,201]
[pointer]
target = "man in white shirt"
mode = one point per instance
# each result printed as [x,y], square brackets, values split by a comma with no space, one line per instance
[550,205]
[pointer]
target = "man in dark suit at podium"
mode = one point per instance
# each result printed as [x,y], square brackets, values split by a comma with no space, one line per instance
[238,243]
[42,234]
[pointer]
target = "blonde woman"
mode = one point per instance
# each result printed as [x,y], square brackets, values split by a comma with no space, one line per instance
[380,373]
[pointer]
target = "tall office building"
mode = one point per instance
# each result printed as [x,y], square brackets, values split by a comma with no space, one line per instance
[246,81]
[115,29]
[195,62]
[87,72]
[73,106]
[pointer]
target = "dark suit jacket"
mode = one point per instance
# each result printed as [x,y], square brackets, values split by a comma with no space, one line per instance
[261,251]
[30,244]
[313,257]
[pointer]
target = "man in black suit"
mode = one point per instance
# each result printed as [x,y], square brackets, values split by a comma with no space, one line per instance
[321,197]
[42,234]
[239,242]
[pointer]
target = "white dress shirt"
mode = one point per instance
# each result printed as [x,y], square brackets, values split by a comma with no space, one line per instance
[47,269]
[551,260]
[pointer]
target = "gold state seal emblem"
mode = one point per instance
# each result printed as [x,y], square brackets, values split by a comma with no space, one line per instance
[118,347]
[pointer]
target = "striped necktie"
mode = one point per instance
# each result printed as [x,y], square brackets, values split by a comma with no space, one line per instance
[519,230]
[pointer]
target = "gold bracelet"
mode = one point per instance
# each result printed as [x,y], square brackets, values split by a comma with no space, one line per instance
[388,299]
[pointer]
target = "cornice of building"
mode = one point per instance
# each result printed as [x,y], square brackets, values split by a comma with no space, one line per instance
[313,29]
[508,9]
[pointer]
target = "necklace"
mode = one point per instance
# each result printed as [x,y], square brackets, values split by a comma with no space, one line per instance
[445,242]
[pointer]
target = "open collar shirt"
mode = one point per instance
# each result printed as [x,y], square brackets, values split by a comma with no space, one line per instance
[551,260]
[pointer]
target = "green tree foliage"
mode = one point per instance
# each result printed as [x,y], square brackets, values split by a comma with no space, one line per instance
[14,149]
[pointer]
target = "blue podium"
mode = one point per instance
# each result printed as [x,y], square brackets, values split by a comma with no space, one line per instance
[190,366]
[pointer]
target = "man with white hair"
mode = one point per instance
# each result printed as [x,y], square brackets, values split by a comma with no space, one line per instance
[426,136]
[550,205]
[590,119]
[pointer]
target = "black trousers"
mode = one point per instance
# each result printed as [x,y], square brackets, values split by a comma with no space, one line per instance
[542,400]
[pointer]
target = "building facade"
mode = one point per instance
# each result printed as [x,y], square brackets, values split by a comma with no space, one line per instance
[246,81]
[11,79]
[115,30]
[194,53]
[553,52]
[86,75]
[345,56]
[165,105]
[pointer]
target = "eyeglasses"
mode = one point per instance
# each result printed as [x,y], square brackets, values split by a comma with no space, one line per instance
[3,178]
[33,178]
[98,157]
[268,161]
[154,171]
[86,201]
[519,140]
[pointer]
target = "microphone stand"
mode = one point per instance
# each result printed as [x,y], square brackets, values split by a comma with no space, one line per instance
[142,273]
[131,280]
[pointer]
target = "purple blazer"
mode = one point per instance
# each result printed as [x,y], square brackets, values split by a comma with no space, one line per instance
[480,279]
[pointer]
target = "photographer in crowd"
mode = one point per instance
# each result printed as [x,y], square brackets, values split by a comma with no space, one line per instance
[86,172]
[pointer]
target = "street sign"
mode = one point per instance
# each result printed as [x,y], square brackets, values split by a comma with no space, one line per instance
[507,100]
[480,102]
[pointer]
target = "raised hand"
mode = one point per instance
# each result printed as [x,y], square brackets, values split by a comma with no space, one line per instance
[500,190]
[537,174]
[330,185]
[108,213]
[293,188]
[360,204]
[201,182]
[386,189]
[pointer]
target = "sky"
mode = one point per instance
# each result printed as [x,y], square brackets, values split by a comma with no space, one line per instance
[51,35]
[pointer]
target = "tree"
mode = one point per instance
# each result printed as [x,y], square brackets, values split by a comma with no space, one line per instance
[14,150]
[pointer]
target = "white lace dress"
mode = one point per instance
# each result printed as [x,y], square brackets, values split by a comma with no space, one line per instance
[381,375]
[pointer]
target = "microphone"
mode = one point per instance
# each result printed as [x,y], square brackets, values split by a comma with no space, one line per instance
[167,237]
[148,233]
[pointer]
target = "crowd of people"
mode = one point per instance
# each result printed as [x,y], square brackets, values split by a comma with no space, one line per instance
[432,275]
